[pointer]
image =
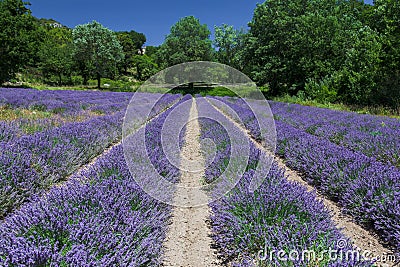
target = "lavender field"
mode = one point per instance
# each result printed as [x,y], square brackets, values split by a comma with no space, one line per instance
[69,198]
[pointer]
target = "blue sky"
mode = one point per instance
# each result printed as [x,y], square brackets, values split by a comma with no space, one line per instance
[154,18]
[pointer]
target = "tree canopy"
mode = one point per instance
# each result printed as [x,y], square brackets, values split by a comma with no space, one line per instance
[17,37]
[189,40]
[96,49]
[132,42]
[318,46]
[56,53]
[385,19]
[230,43]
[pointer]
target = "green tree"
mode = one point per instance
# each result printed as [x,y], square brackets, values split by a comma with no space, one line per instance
[56,53]
[281,36]
[188,41]
[356,80]
[231,44]
[132,42]
[302,44]
[96,50]
[18,37]
[145,67]
[152,51]
[386,19]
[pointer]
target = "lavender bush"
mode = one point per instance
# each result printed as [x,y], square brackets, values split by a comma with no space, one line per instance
[374,136]
[280,215]
[367,189]
[99,218]
[64,101]
[155,151]
[33,163]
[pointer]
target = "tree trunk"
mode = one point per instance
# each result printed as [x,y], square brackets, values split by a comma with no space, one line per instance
[85,79]
[98,80]
[138,73]
[191,86]
[69,78]
[59,79]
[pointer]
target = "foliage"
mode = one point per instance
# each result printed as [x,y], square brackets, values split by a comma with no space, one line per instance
[187,41]
[116,85]
[320,47]
[145,67]
[151,51]
[97,50]
[204,91]
[132,42]
[386,19]
[56,53]
[230,44]
[17,37]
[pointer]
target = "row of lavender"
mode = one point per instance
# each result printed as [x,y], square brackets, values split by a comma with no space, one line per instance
[12,130]
[154,135]
[374,136]
[35,111]
[58,108]
[251,227]
[77,106]
[33,163]
[64,101]
[367,189]
[99,218]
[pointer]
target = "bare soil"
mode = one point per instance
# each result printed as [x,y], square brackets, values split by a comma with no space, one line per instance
[188,241]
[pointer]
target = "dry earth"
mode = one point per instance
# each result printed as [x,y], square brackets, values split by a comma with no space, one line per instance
[188,241]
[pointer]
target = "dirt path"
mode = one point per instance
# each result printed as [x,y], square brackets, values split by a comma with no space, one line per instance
[361,238]
[188,241]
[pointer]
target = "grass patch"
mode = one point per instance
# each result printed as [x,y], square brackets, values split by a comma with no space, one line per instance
[9,114]
[31,128]
[125,84]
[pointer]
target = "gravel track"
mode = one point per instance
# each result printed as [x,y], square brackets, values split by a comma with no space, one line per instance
[188,241]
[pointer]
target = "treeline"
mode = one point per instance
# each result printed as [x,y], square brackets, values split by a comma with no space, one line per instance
[46,50]
[326,50]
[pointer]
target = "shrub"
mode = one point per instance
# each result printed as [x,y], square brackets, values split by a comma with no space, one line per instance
[322,91]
